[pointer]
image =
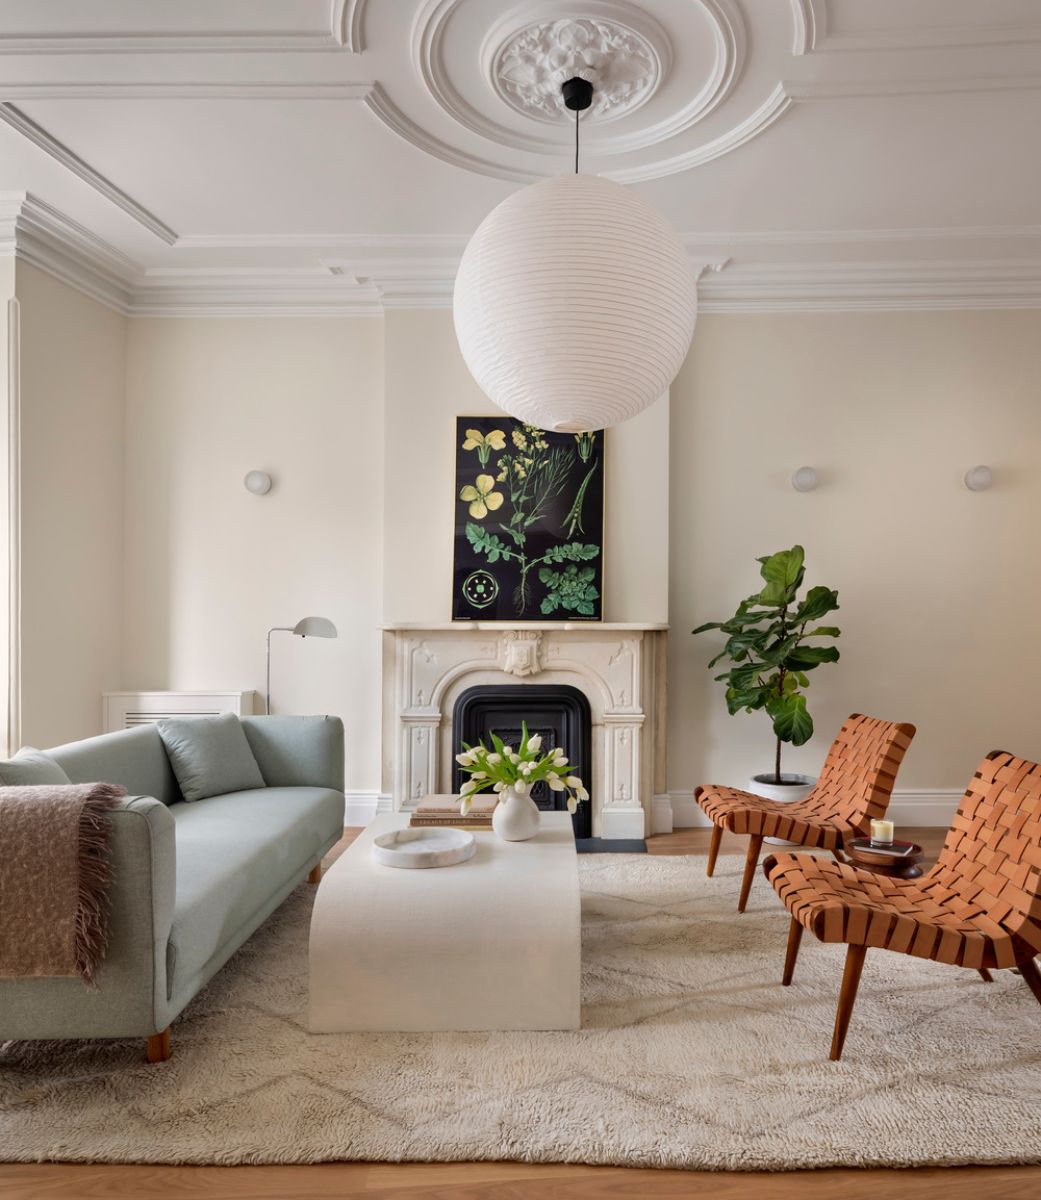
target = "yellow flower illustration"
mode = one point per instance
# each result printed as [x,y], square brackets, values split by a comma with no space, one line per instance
[484,443]
[519,440]
[481,497]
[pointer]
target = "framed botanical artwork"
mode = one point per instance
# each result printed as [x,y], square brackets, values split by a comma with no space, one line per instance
[529,523]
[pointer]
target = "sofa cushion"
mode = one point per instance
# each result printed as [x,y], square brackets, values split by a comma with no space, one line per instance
[133,757]
[210,756]
[29,768]
[233,853]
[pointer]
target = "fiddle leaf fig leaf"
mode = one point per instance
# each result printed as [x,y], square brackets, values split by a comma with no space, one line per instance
[818,603]
[792,721]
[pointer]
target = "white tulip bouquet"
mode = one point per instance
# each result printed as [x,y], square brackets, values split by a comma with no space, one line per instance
[502,767]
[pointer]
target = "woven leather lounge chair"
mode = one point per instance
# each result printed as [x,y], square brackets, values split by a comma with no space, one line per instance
[978,908]
[854,788]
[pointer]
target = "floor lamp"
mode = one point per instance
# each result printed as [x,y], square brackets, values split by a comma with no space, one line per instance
[309,627]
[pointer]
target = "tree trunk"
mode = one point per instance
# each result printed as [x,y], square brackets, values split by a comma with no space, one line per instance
[777,763]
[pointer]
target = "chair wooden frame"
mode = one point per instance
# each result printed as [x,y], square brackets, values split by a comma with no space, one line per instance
[978,908]
[854,788]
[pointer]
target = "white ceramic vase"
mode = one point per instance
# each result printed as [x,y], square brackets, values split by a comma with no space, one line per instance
[516,817]
[795,787]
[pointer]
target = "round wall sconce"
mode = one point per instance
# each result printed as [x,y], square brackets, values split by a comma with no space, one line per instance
[805,479]
[258,482]
[978,479]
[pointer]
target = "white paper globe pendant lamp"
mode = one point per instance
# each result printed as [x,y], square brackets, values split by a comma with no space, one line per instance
[574,302]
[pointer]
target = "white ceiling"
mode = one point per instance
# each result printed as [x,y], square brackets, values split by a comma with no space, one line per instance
[333,155]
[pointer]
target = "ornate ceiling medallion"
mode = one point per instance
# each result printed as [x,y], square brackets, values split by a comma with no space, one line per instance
[531,64]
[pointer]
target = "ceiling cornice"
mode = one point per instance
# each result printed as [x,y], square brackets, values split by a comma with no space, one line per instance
[371,275]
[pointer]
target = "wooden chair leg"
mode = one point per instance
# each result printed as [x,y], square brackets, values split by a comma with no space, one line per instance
[1032,975]
[159,1046]
[751,862]
[985,975]
[794,938]
[847,996]
[316,874]
[713,849]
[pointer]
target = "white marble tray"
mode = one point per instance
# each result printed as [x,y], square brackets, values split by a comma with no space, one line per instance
[423,847]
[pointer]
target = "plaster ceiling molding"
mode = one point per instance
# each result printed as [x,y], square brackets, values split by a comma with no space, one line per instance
[524,56]
[530,66]
[17,120]
[335,26]
[1005,23]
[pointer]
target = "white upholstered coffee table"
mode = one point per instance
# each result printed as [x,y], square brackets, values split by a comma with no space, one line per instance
[493,943]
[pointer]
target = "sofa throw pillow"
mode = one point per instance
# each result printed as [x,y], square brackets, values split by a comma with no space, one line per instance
[210,755]
[30,768]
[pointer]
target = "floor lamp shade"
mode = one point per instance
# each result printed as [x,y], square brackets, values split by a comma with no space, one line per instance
[574,304]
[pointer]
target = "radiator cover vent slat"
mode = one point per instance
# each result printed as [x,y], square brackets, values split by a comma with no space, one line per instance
[125,710]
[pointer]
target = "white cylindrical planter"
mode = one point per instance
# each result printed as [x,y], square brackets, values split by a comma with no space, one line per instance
[516,817]
[794,787]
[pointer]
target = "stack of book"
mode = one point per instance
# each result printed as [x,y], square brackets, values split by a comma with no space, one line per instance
[442,812]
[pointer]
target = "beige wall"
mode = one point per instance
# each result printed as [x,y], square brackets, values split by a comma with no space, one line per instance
[210,567]
[427,387]
[938,585]
[72,376]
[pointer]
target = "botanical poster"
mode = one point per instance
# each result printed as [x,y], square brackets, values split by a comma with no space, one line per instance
[529,523]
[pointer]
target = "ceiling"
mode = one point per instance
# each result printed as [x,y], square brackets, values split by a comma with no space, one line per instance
[237,156]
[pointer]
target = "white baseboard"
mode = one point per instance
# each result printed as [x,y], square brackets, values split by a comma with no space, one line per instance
[363,806]
[662,819]
[910,806]
[621,823]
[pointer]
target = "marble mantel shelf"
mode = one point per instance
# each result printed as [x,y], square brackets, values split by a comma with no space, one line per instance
[541,626]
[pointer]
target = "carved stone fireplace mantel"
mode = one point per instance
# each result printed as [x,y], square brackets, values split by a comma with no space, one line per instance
[620,667]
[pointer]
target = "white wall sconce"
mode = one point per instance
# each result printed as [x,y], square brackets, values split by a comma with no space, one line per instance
[978,479]
[258,482]
[804,479]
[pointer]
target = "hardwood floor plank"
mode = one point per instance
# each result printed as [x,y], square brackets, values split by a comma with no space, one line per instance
[504,1181]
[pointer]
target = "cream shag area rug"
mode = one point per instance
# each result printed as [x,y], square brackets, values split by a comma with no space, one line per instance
[691,1054]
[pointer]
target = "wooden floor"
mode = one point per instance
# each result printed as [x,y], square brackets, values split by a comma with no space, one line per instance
[516,1181]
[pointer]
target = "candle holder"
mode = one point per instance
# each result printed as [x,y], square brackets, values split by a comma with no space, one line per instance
[882,834]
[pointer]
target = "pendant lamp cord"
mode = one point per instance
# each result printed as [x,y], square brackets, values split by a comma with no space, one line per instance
[577,115]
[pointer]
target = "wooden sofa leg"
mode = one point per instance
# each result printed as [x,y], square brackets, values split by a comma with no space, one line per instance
[794,938]
[713,849]
[985,975]
[159,1046]
[1032,975]
[847,996]
[755,844]
[316,874]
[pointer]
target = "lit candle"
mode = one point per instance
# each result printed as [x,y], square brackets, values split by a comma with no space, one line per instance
[881,833]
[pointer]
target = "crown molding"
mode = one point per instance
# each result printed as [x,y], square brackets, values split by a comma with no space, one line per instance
[900,285]
[347,24]
[370,275]
[187,90]
[34,231]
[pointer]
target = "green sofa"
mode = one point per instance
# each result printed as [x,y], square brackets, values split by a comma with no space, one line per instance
[191,882]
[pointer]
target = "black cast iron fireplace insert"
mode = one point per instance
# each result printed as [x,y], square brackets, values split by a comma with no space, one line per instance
[559,713]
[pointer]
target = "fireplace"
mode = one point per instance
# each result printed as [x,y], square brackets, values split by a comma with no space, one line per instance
[618,669]
[559,712]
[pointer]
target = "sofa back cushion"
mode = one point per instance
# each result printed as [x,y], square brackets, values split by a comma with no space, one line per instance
[29,768]
[133,757]
[298,751]
[210,755]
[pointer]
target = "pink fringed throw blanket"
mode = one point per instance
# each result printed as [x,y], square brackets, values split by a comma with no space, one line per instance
[54,877]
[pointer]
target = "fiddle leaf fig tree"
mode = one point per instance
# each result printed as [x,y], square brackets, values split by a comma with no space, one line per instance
[772,642]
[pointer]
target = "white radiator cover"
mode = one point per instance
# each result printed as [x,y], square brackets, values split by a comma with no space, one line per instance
[124,710]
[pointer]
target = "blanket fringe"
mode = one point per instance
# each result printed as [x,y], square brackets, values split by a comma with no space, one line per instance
[95,876]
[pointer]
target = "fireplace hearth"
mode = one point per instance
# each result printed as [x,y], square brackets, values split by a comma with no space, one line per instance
[559,712]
